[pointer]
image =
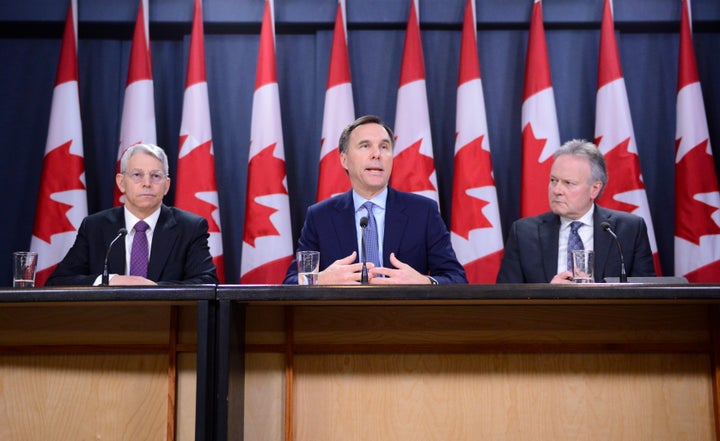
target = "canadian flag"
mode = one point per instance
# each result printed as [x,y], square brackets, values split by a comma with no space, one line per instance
[138,115]
[615,138]
[540,133]
[196,187]
[267,240]
[475,229]
[697,201]
[62,202]
[414,166]
[339,112]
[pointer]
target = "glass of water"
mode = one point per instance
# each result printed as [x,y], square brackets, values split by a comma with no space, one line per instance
[24,265]
[308,263]
[583,265]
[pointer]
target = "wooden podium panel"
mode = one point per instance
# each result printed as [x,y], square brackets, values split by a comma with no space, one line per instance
[110,365]
[357,368]
[83,396]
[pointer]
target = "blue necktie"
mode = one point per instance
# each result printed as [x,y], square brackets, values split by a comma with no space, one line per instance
[139,251]
[371,236]
[574,242]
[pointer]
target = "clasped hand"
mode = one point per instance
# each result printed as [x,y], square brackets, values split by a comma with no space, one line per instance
[345,272]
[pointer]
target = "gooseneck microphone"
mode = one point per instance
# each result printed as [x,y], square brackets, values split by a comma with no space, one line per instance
[623,274]
[364,272]
[105,276]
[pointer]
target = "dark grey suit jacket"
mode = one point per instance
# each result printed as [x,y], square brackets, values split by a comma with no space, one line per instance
[179,252]
[414,231]
[531,250]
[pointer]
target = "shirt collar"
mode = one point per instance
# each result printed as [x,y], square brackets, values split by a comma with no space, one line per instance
[131,220]
[379,200]
[586,219]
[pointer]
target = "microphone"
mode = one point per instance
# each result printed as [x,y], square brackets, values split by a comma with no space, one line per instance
[105,276]
[606,227]
[364,272]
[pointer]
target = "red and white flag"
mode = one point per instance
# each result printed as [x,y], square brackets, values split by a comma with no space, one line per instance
[138,115]
[614,135]
[697,201]
[62,202]
[267,240]
[475,229]
[414,164]
[540,133]
[339,112]
[196,187]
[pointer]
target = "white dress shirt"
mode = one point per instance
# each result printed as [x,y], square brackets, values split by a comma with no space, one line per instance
[586,234]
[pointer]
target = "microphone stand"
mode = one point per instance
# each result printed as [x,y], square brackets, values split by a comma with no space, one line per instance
[364,271]
[105,276]
[623,274]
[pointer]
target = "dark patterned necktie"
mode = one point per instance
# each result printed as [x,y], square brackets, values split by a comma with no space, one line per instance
[371,236]
[574,242]
[139,251]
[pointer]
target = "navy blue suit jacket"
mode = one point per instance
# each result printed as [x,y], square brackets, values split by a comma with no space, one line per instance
[531,250]
[179,252]
[414,231]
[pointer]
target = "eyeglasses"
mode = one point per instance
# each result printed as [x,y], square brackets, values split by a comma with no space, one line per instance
[138,176]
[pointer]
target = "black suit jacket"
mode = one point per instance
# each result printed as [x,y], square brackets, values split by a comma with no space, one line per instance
[531,250]
[414,231]
[179,251]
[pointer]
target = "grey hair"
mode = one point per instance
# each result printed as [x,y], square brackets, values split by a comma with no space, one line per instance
[367,119]
[586,149]
[149,149]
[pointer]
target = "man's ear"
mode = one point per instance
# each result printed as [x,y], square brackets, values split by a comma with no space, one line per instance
[343,160]
[120,182]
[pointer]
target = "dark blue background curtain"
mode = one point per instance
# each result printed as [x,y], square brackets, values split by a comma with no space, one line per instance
[30,33]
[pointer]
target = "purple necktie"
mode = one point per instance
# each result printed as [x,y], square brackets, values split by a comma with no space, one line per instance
[371,236]
[574,242]
[139,251]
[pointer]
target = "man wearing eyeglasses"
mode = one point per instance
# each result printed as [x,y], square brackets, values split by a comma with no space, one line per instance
[163,245]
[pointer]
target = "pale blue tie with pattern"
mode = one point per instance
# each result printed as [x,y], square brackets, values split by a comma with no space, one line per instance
[574,242]
[371,236]
[139,251]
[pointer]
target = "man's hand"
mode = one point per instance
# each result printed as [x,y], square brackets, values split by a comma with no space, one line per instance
[402,274]
[130,280]
[563,277]
[343,272]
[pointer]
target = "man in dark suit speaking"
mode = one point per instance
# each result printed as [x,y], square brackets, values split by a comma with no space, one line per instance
[162,245]
[405,238]
[537,247]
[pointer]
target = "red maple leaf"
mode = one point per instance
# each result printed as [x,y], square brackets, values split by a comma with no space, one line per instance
[535,175]
[623,176]
[333,177]
[694,174]
[196,174]
[61,172]
[265,177]
[472,170]
[412,170]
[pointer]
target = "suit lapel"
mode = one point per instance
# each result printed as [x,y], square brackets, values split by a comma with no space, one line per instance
[549,234]
[602,242]
[395,224]
[344,225]
[164,238]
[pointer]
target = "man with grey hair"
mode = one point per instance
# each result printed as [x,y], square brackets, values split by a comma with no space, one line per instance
[162,245]
[536,250]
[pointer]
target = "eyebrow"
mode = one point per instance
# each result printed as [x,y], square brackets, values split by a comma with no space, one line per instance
[387,140]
